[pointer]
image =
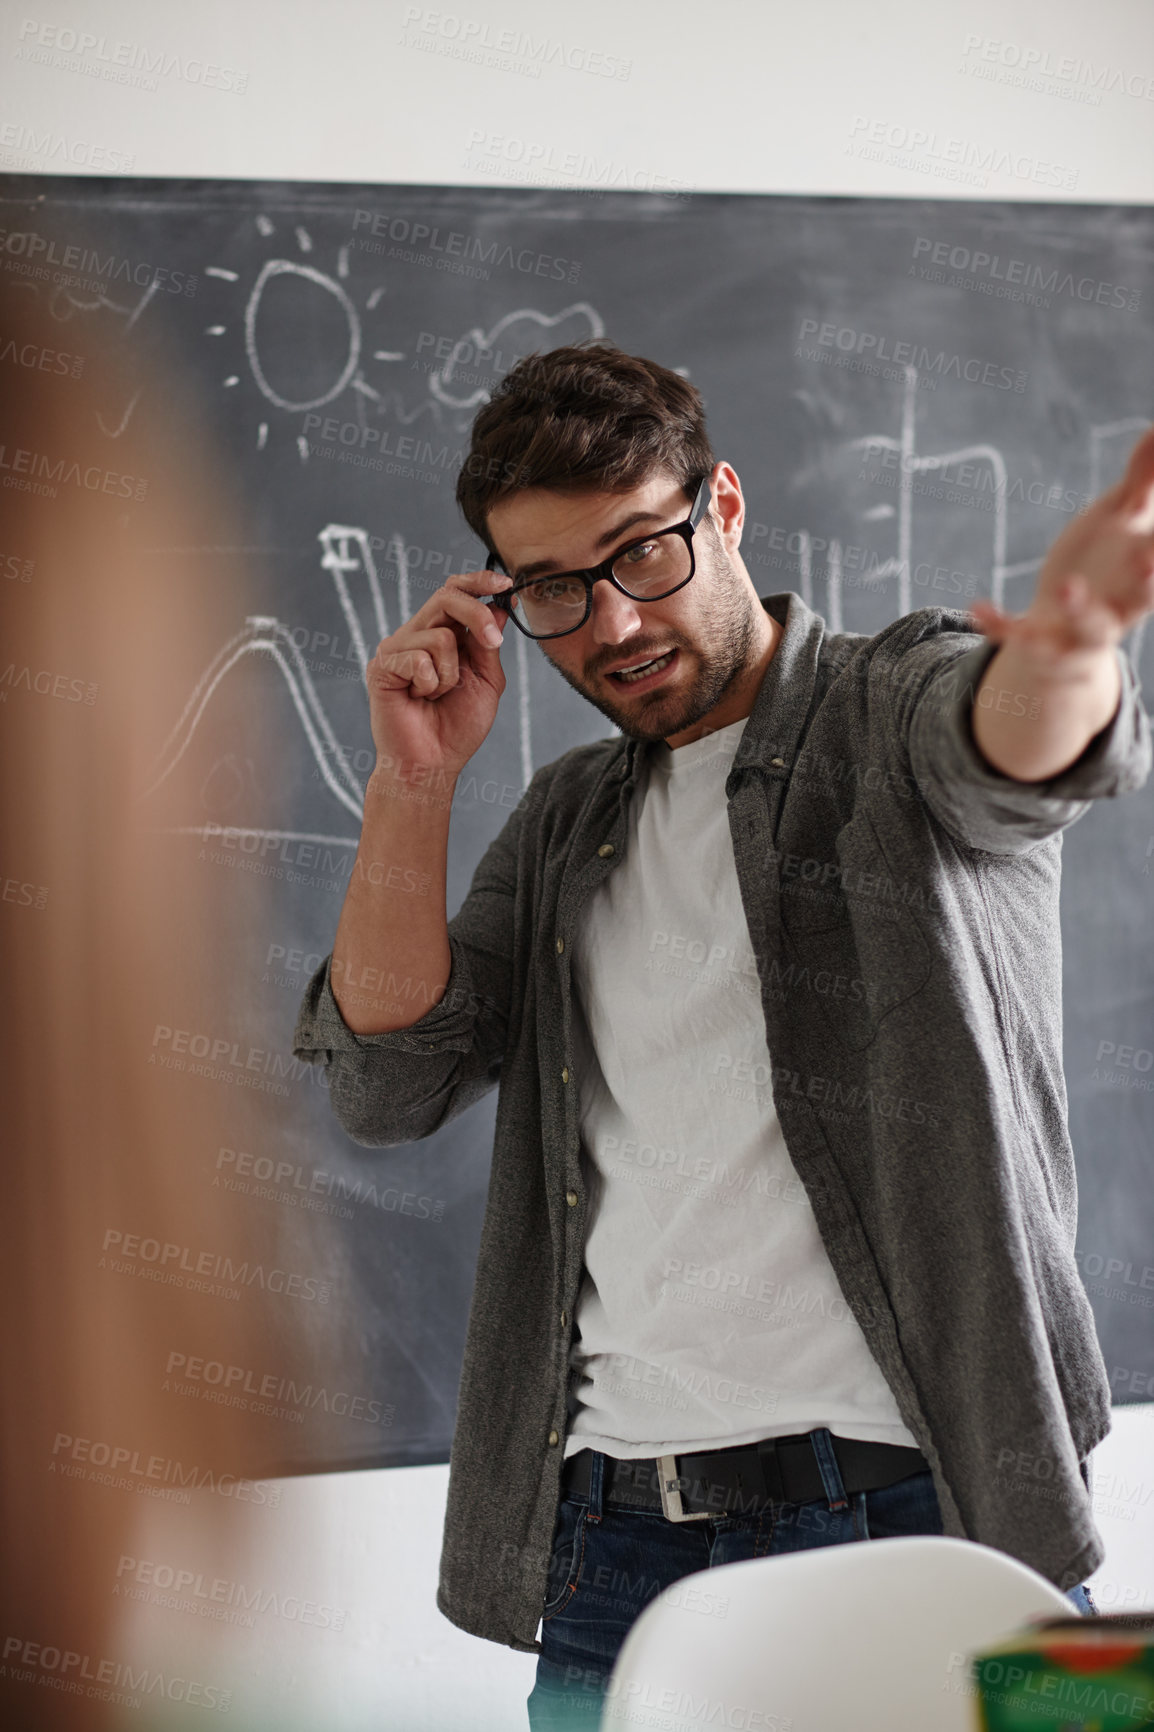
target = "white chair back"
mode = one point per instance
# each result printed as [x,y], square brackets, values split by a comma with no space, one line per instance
[875,1635]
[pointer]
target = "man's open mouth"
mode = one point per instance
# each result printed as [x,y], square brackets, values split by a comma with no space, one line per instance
[639,672]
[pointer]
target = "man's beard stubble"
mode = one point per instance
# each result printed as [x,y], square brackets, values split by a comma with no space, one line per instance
[725,652]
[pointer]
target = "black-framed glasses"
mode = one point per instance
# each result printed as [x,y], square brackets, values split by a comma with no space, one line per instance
[648,569]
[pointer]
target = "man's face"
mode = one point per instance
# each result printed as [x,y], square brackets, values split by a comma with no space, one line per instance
[709,625]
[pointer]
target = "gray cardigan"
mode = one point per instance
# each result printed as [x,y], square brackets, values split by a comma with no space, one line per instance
[926,1116]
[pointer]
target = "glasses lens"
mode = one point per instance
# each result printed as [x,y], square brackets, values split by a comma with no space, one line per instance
[548,605]
[653,568]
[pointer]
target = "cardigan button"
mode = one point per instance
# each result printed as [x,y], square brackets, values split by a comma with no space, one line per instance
[605,850]
[780,762]
[571,1199]
[564,1318]
[565,1074]
[560,945]
[554,1438]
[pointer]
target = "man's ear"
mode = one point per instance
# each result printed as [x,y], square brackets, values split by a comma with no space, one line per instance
[727,506]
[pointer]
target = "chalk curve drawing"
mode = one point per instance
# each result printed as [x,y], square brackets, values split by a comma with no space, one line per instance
[440,382]
[265,635]
[346,551]
[288,267]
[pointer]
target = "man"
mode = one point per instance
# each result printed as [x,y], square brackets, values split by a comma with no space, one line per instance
[778,1248]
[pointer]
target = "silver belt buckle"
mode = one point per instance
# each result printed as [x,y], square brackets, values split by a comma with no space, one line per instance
[670,1484]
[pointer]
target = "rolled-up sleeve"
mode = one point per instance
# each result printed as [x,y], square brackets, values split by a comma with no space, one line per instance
[977,804]
[396,1087]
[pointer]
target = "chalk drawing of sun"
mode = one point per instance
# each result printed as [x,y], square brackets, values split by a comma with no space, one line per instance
[288,376]
[289,297]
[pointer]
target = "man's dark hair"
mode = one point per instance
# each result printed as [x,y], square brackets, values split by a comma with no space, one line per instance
[587,417]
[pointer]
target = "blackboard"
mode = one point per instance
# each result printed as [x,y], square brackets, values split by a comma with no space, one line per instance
[342,337]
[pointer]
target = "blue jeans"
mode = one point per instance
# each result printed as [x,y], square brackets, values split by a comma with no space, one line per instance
[610,1560]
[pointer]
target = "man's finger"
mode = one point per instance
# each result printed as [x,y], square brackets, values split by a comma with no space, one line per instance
[1141,519]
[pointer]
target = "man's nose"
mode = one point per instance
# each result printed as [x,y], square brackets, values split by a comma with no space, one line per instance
[614,617]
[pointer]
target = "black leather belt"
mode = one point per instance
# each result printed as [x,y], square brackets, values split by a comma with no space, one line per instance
[743,1477]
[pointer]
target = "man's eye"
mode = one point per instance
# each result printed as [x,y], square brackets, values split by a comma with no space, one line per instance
[637,555]
[552,589]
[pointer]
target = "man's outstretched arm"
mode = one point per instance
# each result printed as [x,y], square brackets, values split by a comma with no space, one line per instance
[1058,661]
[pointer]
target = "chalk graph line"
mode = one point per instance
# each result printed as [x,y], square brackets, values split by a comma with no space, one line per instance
[911,464]
[268,636]
[346,551]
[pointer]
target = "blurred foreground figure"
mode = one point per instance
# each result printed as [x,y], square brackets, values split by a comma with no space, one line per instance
[101,638]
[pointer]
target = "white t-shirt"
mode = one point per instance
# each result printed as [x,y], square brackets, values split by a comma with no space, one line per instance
[709,1313]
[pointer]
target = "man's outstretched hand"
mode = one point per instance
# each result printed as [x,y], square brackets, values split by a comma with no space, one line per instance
[1096,582]
[1056,681]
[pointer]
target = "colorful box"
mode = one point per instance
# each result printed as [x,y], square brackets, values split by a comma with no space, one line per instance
[1069,1675]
